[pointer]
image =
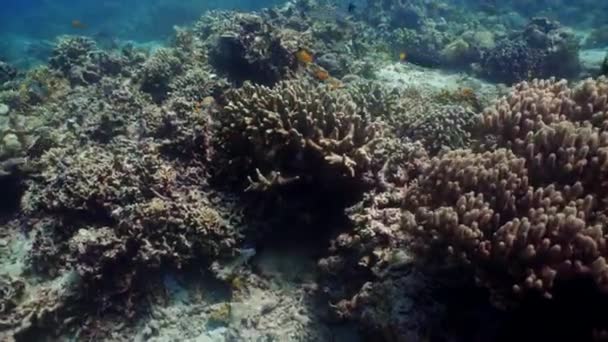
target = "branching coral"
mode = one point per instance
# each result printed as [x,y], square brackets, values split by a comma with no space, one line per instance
[180,230]
[441,127]
[530,215]
[438,121]
[293,132]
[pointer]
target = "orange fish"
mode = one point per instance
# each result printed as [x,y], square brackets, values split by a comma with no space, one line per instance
[304,56]
[320,73]
[77,24]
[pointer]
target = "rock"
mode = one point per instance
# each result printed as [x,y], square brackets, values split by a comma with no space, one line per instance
[4,109]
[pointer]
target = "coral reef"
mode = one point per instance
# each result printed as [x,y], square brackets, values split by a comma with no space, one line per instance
[529,214]
[542,49]
[295,132]
[163,185]
[79,59]
[158,71]
[11,290]
[523,211]
[437,120]
[251,48]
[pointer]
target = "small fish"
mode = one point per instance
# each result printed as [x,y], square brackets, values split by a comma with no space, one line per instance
[351,8]
[320,73]
[402,56]
[77,24]
[335,83]
[304,56]
[206,102]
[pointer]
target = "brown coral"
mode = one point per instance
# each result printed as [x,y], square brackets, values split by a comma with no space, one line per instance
[532,212]
[293,132]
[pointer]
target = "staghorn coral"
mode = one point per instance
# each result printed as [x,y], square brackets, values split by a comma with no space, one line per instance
[294,132]
[531,213]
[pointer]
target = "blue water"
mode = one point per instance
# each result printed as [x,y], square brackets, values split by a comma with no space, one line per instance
[28,27]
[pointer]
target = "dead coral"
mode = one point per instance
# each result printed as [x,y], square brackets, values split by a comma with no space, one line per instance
[49,308]
[94,248]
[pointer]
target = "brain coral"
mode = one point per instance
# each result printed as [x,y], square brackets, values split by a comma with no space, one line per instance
[528,210]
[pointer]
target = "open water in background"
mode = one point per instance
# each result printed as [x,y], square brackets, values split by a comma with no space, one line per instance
[29,27]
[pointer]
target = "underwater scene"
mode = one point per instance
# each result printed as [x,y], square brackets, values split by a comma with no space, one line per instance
[304,170]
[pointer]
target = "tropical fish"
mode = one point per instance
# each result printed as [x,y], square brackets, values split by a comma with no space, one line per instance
[335,83]
[77,24]
[402,56]
[320,73]
[304,56]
